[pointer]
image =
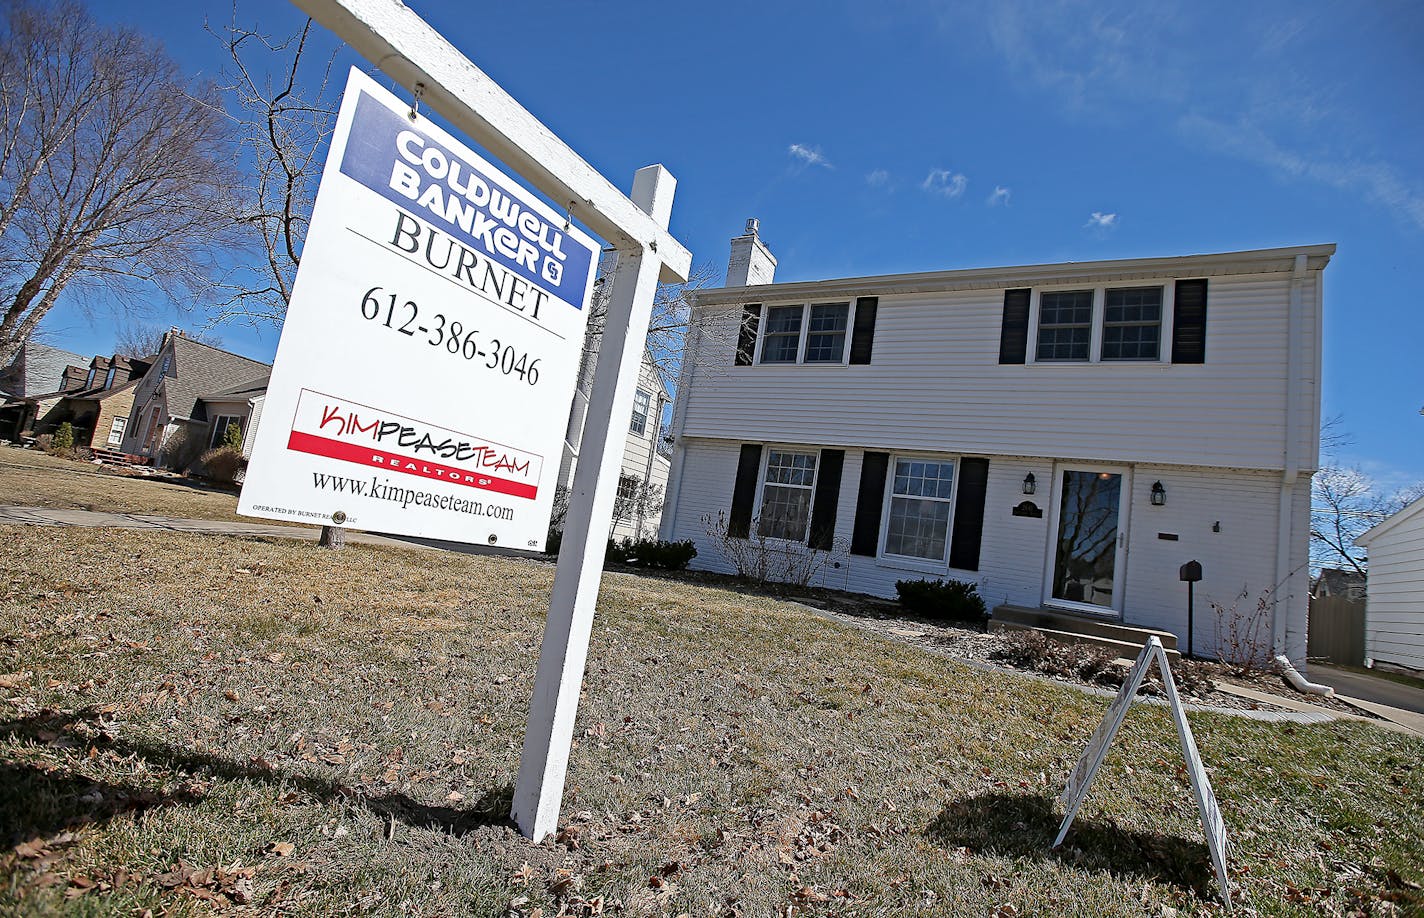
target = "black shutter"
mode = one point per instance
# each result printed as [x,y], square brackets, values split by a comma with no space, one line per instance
[1013,335]
[969,514]
[1189,322]
[863,337]
[828,494]
[747,337]
[865,538]
[739,524]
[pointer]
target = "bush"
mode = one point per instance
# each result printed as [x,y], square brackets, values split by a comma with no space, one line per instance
[616,552]
[668,556]
[552,541]
[182,447]
[949,600]
[221,464]
[44,443]
[63,440]
[1033,650]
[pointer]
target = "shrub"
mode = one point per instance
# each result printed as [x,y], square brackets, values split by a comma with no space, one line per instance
[221,464]
[1033,650]
[63,440]
[232,436]
[182,448]
[44,442]
[668,556]
[553,541]
[950,600]
[616,552]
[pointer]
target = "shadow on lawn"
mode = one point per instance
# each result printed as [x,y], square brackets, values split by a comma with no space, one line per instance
[43,799]
[1024,826]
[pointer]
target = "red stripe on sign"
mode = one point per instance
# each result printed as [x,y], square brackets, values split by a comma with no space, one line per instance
[365,455]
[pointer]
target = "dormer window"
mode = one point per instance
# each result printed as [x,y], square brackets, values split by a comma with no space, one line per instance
[89,380]
[109,379]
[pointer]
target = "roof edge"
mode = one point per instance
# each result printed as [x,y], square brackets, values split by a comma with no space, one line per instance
[1250,261]
[1409,511]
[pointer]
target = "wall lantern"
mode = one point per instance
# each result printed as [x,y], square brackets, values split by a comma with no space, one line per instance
[1159,494]
[1029,484]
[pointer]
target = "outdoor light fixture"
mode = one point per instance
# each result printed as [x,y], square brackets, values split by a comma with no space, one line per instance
[1159,494]
[1029,484]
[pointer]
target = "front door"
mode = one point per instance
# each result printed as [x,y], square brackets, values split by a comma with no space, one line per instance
[1086,556]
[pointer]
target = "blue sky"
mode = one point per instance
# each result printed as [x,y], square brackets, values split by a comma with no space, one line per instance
[874,138]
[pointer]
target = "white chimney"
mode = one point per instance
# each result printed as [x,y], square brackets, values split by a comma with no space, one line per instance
[751,262]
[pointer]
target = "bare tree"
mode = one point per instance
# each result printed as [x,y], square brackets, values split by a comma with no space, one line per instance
[284,117]
[114,169]
[1345,503]
[139,340]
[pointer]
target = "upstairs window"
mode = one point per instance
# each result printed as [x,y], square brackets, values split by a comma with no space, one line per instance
[806,333]
[1065,325]
[641,403]
[786,495]
[109,379]
[1132,324]
[782,340]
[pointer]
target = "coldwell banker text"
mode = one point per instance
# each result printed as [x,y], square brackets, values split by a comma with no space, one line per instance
[495,223]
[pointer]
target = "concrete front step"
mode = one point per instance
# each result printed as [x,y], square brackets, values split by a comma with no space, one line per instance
[1066,626]
[1126,650]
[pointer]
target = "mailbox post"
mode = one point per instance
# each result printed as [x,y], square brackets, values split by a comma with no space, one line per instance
[1191,572]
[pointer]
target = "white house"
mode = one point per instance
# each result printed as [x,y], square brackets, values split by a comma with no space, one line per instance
[1062,435]
[1394,591]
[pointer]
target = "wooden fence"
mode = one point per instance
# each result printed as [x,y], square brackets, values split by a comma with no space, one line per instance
[1337,630]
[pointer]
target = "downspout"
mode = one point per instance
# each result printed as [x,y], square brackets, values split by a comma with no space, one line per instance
[1295,385]
[1290,466]
[690,350]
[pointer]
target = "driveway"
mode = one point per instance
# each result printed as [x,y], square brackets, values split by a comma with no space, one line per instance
[1369,688]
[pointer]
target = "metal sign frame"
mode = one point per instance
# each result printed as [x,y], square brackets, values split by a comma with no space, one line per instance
[1081,778]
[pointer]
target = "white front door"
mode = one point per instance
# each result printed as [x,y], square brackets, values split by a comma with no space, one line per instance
[1087,553]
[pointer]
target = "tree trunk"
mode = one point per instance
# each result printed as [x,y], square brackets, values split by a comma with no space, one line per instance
[332,537]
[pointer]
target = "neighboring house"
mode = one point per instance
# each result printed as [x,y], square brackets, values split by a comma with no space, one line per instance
[1062,435]
[1394,598]
[1335,582]
[173,399]
[98,408]
[36,370]
[240,405]
[643,477]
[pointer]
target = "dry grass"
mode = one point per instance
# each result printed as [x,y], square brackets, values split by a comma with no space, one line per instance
[183,709]
[30,478]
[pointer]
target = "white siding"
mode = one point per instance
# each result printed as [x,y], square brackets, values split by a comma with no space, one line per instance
[935,379]
[1394,610]
[1238,561]
[251,436]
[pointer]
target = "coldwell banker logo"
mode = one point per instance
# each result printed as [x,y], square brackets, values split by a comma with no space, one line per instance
[409,168]
[338,429]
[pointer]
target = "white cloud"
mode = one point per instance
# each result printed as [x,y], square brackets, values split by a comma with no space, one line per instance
[811,156]
[877,179]
[1000,195]
[943,181]
[1100,220]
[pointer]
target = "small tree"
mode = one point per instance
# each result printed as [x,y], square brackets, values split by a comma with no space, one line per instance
[232,437]
[63,441]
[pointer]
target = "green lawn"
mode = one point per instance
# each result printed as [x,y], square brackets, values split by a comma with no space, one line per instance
[200,722]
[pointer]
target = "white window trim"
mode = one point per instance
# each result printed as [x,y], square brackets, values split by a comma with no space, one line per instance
[115,427]
[805,332]
[213,435]
[766,450]
[647,414]
[910,562]
[1099,320]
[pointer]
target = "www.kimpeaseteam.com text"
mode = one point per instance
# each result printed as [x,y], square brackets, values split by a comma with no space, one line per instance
[406,497]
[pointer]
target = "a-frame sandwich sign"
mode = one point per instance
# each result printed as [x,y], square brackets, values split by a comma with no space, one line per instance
[1082,777]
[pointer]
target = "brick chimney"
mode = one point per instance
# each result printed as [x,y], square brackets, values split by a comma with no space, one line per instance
[751,262]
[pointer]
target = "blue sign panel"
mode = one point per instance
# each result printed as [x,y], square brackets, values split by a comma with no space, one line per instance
[394,158]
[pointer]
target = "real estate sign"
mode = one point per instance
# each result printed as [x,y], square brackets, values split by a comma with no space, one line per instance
[427,364]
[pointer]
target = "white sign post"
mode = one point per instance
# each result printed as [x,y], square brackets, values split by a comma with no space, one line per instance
[1082,776]
[409,50]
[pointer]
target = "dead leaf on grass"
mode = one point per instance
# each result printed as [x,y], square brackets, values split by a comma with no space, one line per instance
[13,680]
[281,849]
